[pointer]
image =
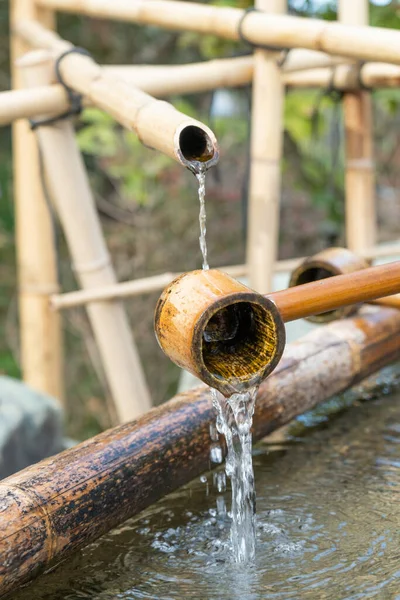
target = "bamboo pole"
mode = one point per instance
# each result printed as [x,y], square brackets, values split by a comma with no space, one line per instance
[161,81]
[40,329]
[347,77]
[342,290]
[69,188]
[52,509]
[265,162]
[359,181]
[158,124]
[17,104]
[374,43]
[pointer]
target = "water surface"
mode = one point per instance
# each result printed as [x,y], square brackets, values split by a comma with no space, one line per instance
[328,515]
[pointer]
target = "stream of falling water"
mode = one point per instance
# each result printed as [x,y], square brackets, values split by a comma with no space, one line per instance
[234,420]
[201,178]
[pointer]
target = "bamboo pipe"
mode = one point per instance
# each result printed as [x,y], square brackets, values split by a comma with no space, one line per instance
[39,328]
[219,330]
[359,168]
[222,333]
[69,188]
[158,124]
[52,509]
[359,43]
[266,147]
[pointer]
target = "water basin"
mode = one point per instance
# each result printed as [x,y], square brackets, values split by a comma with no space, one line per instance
[328,515]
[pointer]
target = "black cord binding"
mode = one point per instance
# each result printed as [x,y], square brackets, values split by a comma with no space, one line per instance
[242,37]
[75,98]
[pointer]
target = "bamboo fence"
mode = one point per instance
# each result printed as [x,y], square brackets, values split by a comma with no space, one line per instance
[52,509]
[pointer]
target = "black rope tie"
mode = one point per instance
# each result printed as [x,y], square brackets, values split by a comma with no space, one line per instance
[75,98]
[243,38]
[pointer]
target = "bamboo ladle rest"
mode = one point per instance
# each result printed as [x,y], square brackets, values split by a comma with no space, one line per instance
[231,337]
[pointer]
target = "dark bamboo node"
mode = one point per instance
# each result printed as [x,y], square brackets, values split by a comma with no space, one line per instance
[59,505]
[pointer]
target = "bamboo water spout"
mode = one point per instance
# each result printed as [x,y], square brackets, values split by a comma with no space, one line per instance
[193,307]
[52,509]
[219,330]
[157,123]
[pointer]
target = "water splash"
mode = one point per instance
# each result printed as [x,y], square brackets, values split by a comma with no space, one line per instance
[201,178]
[234,420]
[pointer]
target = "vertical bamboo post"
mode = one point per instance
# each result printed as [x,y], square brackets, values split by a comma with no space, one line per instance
[40,327]
[70,192]
[359,179]
[265,157]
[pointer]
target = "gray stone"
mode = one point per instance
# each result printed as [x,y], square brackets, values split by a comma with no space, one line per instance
[31,426]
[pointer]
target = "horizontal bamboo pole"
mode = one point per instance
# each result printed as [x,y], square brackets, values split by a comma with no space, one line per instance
[347,77]
[156,283]
[158,124]
[360,43]
[341,290]
[161,81]
[54,508]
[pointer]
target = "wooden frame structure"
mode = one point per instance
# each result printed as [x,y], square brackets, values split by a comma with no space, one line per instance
[316,47]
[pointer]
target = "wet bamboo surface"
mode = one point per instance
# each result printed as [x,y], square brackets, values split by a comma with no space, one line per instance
[61,504]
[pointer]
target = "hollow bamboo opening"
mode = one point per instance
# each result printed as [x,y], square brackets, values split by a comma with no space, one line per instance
[195,146]
[238,342]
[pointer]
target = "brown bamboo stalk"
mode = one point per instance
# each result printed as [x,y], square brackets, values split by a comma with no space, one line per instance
[376,43]
[69,188]
[40,329]
[265,162]
[158,124]
[342,290]
[359,180]
[52,509]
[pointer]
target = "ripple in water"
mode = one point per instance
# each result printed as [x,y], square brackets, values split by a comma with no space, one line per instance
[327,527]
